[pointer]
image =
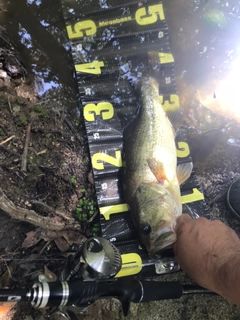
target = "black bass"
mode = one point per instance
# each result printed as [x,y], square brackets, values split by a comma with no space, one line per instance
[151,177]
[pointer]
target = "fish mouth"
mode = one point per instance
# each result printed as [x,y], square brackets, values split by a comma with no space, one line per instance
[163,241]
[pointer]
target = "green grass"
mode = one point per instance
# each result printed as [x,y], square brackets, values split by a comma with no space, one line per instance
[86,207]
[73,180]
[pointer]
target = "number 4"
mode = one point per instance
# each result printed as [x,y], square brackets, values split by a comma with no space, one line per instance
[92,67]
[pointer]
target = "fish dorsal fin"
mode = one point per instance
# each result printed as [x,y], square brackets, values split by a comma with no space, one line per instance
[173,111]
[157,169]
[175,118]
[184,171]
[170,103]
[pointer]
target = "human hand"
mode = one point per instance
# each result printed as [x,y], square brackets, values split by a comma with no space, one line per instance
[209,251]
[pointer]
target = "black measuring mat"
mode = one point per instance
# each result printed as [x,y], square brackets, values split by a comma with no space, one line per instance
[110,44]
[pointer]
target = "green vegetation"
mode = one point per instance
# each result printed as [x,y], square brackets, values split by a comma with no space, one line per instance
[86,208]
[33,163]
[40,110]
[21,120]
[73,180]
[21,100]
[95,229]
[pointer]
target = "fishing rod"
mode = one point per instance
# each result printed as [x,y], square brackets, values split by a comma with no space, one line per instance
[89,276]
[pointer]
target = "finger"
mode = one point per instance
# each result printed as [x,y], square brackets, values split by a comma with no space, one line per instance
[175,246]
[182,221]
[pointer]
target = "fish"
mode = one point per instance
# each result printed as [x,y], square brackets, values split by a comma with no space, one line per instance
[5,308]
[151,177]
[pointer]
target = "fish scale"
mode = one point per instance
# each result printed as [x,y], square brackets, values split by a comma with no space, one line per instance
[149,134]
[150,179]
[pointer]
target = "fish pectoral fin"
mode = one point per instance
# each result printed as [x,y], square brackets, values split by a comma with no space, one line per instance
[184,171]
[157,169]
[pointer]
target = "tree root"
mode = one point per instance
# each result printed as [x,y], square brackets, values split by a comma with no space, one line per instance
[55,223]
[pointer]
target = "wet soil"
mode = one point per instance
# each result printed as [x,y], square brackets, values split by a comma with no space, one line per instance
[45,170]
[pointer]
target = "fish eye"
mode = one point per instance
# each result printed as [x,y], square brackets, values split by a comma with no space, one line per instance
[145,229]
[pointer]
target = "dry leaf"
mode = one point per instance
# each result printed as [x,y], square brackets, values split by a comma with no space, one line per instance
[49,275]
[62,244]
[49,235]
[33,237]
[70,236]
[73,237]
[7,275]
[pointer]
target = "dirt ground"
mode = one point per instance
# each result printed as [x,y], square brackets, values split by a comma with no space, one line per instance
[45,178]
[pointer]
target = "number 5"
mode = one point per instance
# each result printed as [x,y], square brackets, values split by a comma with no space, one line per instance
[144,16]
[81,29]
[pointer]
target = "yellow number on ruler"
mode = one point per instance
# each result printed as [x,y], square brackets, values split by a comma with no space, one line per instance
[171,105]
[118,208]
[165,57]
[131,264]
[149,15]
[81,29]
[105,109]
[92,67]
[196,195]
[99,157]
[183,150]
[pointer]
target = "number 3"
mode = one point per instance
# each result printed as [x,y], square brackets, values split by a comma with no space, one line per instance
[144,16]
[105,109]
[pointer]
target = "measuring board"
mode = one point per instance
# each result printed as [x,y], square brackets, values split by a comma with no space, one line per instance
[110,43]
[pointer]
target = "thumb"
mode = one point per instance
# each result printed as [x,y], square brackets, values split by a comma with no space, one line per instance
[182,221]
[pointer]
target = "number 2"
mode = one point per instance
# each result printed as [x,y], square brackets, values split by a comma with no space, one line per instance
[99,158]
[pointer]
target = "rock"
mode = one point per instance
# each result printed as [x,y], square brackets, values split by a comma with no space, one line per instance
[90,178]
[2,84]
[21,101]
[16,108]
[3,74]
[3,98]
